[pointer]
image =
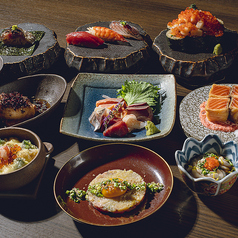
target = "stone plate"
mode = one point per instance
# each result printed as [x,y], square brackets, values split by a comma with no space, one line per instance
[189,110]
[198,69]
[44,56]
[88,88]
[112,57]
[82,168]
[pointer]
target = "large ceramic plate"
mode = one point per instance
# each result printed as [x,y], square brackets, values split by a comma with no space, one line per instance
[189,116]
[88,88]
[49,87]
[82,168]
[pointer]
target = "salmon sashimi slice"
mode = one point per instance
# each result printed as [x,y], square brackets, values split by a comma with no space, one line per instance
[217,109]
[109,101]
[234,91]
[234,109]
[219,91]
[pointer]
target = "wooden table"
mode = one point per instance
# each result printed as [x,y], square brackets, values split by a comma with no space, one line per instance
[185,214]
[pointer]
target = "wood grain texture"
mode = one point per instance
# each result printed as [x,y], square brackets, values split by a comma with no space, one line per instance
[185,214]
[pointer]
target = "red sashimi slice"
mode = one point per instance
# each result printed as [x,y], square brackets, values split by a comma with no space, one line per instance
[119,129]
[83,38]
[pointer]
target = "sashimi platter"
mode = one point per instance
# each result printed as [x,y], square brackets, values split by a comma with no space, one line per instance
[113,107]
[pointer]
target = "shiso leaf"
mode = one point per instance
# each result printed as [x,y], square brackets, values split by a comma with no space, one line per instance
[139,92]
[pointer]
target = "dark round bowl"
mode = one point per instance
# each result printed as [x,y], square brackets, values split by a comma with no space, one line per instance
[28,173]
[81,169]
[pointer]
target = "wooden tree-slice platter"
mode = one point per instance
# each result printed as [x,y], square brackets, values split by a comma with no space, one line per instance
[44,56]
[196,69]
[112,57]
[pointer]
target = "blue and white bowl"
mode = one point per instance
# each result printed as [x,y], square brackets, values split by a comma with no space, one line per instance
[213,144]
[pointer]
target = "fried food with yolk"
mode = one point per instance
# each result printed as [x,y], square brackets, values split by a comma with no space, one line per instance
[116,198]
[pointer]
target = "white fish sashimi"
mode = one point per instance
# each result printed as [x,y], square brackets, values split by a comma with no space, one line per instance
[123,28]
[132,122]
[96,117]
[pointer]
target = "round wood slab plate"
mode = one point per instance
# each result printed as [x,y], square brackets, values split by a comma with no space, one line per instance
[81,169]
[44,56]
[196,69]
[111,57]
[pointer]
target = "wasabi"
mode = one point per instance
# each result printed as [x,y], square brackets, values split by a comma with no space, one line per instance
[151,128]
[217,49]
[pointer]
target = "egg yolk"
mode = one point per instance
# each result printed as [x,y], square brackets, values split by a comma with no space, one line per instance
[211,163]
[111,191]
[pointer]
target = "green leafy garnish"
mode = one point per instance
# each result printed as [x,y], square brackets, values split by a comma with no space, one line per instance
[26,144]
[138,92]
[193,6]
[76,194]
[2,142]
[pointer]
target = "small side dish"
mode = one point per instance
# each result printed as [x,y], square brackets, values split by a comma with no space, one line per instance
[115,191]
[16,41]
[195,31]
[197,47]
[15,154]
[210,165]
[219,112]
[15,108]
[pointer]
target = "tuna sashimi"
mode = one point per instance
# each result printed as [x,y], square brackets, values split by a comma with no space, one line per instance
[82,38]
[119,129]
[142,111]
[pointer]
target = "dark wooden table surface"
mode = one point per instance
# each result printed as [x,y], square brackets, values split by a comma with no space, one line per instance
[185,214]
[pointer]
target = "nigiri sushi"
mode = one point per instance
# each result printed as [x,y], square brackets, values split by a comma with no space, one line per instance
[83,38]
[106,34]
[123,28]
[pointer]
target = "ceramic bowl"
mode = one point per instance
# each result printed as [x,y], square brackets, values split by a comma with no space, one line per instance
[210,143]
[82,168]
[28,173]
[49,87]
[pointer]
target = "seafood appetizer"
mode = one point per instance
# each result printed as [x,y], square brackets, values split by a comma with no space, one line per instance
[195,31]
[125,29]
[210,165]
[220,111]
[14,154]
[106,34]
[15,36]
[15,108]
[16,41]
[82,38]
[131,110]
[115,191]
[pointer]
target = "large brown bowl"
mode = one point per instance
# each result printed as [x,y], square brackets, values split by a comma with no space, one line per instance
[28,173]
[82,168]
